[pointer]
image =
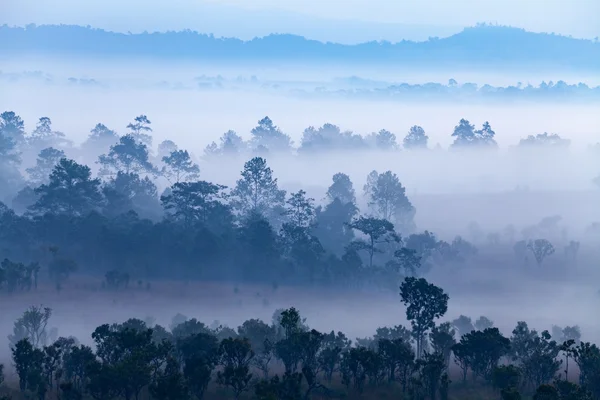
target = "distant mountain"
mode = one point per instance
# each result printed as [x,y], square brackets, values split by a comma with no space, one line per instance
[476,47]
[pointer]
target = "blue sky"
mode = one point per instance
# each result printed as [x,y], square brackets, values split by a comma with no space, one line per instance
[336,20]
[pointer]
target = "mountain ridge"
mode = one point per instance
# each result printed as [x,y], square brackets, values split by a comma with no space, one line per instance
[481,45]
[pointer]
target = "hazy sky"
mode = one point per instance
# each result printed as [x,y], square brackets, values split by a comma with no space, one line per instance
[339,20]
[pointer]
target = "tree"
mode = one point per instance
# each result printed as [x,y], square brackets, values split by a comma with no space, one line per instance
[100,137]
[127,156]
[416,138]
[257,190]
[169,384]
[71,191]
[341,189]
[267,135]
[332,221]
[32,326]
[43,136]
[541,248]
[407,260]
[166,147]
[442,340]
[300,209]
[128,191]
[329,138]
[140,130]
[28,361]
[387,197]
[506,378]
[485,136]
[179,166]
[464,134]
[236,357]
[195,201]
[378,231]
[484,350]
[47,159]
[384,140]
[483,323]
[425,302]
[464,325]
[12,127]
[200,353]
[544,140]
[231,143]
[12,135]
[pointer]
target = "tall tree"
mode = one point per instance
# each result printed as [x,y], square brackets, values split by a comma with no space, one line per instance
[129,191]
[257,191]
[342,189]
[377,231]
[464,134]
[269,136]
[231,143]
[44,136]
[486,135]
[300,209]
[195,201]
[71,190]
[140,130]
[12,127]
[46,161]
[425,302]
[127,156]
[416,138]
[99,139]
[387,197]
[179,167]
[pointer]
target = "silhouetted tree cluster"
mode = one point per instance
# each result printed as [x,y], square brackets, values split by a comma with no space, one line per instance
[286,359]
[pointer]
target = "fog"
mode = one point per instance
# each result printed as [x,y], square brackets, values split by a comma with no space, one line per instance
[449,190]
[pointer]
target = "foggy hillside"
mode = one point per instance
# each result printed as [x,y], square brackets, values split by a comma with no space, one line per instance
[490,47]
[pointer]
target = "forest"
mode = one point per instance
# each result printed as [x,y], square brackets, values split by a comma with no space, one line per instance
[128,216]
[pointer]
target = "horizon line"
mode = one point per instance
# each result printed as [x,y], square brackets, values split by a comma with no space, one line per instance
[478,25]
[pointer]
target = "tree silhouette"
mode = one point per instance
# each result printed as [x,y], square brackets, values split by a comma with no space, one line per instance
[415,139]
[541,248]
[378,231]
[425,302]
[71,190]
[140,130]
[257,190]
[46,161]
[126,156]
[179,167]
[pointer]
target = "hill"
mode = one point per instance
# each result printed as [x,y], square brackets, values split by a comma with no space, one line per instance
[475,47]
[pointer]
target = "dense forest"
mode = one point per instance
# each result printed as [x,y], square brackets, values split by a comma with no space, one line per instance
[285,359]
[96,210]
[60,217]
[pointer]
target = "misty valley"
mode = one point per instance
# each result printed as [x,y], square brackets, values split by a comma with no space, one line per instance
[336,266]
